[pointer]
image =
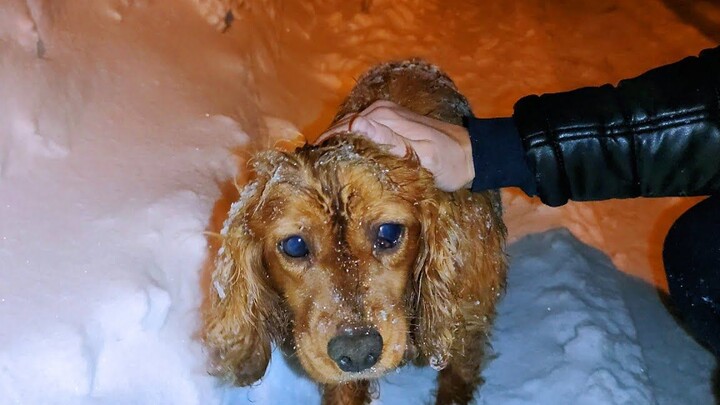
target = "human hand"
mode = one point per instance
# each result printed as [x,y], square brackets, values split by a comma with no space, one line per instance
[444,149]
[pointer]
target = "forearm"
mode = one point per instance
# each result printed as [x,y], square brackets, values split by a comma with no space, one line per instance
[654,135]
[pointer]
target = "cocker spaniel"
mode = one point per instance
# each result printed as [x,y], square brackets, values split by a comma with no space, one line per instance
[352,261]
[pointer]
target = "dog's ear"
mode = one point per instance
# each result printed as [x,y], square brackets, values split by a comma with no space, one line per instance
[436,273]
[243,318]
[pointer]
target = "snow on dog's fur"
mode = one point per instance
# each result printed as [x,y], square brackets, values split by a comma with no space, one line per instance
[352,261]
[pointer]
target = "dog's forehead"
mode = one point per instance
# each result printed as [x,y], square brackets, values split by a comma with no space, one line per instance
[339,154]
[349,175]
[345,163]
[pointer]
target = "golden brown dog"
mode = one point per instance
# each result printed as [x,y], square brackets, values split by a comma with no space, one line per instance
[351,259]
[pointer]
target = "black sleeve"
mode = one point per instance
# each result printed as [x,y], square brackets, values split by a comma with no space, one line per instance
[498,155]
[654,135]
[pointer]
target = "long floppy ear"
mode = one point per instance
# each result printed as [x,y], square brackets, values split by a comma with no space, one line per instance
[244,315]
[436,274]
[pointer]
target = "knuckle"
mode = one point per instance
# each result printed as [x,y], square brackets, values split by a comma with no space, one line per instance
[383,104]
[382,109]
[386,112]
[428,156]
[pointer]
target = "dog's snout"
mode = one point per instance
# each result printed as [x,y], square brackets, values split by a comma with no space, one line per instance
[355,350]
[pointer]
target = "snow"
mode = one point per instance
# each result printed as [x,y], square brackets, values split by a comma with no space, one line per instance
[124,123]
[566,333]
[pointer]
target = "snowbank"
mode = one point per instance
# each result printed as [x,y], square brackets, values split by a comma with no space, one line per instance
[566,333]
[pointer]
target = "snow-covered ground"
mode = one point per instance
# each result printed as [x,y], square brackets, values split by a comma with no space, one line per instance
[571,330]
[123,122]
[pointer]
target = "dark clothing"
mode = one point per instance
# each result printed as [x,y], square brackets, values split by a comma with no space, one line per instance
[652,136]
[692,263]
[498,155]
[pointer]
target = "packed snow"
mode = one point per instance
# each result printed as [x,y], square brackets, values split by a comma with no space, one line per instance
[125,123]
[565,334]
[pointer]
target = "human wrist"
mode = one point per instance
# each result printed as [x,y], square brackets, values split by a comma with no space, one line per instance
[469,162]
[498,155]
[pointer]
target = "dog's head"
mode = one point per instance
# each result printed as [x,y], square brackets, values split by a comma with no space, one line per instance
[342,250]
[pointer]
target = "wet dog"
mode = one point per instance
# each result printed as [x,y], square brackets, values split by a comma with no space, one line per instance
[352,261]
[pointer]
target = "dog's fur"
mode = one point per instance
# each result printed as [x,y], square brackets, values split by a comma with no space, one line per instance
[432,298]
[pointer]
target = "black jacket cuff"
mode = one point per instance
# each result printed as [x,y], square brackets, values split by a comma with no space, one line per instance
[498,155]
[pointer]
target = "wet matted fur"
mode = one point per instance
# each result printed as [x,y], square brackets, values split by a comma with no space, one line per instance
[430,297]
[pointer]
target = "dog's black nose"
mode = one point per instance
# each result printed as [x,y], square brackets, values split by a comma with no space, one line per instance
[356,349]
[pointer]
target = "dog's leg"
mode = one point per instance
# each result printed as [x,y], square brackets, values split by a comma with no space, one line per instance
[458,381]
[349,393]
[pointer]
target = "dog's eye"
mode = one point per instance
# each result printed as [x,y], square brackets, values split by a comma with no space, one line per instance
[388,235]
[294,246]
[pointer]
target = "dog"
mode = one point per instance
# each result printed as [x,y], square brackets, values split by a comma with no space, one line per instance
[353,262]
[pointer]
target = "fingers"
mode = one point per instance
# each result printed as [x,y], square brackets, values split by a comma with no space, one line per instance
[376,119]
[373,130]
[443,148]
[385,122]
[379,133]
[407,122]
[338,127]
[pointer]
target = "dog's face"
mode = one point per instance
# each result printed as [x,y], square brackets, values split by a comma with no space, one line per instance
[340,247]
[340,239]
[322,250]
[350,255]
